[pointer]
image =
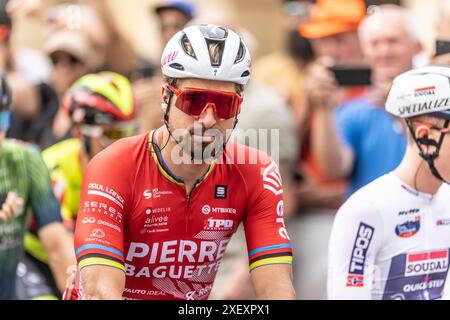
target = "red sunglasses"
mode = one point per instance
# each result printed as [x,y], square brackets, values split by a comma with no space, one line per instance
[193,101]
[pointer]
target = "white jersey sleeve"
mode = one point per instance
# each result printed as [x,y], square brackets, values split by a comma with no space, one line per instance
[355,239]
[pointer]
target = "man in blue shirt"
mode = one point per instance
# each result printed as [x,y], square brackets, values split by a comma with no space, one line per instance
[358,139]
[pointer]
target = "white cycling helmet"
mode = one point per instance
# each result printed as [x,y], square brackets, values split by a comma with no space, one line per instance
[422,91]
[187,55]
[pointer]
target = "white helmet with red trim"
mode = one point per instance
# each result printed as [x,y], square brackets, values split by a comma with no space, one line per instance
[207,52]
[422,91]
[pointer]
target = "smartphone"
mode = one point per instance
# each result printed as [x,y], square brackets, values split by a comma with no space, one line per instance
[352,75]
[442,47]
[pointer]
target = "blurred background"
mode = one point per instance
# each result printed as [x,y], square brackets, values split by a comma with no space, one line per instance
[45,45]
[137,21]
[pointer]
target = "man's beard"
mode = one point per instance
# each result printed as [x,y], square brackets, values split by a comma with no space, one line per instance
[201,151]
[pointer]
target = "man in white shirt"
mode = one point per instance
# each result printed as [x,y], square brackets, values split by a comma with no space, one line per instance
[391,239]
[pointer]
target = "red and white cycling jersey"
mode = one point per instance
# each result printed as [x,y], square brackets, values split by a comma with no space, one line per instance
[135,216]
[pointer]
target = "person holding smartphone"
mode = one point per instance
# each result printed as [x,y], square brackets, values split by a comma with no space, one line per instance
[349,139]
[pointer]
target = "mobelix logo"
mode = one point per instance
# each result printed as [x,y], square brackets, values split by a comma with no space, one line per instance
[364,236]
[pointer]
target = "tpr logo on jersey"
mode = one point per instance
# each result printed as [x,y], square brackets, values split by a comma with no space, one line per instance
[408,228]
[364,236]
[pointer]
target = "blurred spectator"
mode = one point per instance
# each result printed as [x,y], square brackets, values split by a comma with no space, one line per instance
[72,56]
[35,104]
[332,29]
[442,33]
[284,70]
[349,135]
[172,17]
[352,144]
[443,23]
[74,51]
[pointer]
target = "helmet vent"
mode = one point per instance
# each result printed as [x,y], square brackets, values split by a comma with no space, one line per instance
[215,49]
[187,46]
[245,74]
[177,66]
[213,32]
[241,53]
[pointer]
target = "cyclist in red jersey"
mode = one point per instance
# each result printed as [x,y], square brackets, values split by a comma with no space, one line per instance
[150,227]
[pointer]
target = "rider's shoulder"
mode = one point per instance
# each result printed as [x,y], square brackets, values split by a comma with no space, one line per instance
[253,165]
[18,148]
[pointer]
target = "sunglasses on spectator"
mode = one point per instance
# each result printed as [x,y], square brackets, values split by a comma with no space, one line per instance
[113,132]
[193,101]
[66,59]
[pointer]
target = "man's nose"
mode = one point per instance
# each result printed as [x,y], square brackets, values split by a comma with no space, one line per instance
[208,116]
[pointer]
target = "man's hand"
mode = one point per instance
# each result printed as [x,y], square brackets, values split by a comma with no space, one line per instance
[11,207]
[321,86]
[102,283]
[24,8]
[273,282]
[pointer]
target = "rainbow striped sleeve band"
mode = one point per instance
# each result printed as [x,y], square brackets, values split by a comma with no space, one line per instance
[276,254]
[96,254]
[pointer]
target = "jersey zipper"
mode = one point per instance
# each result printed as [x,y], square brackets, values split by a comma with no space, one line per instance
[188,199]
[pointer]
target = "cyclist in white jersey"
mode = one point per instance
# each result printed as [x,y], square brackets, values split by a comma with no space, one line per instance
[391,239]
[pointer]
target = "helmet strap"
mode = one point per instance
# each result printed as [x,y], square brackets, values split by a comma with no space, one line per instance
[430,157]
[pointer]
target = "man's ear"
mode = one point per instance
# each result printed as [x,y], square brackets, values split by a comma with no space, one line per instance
[164,98]
[423,136]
